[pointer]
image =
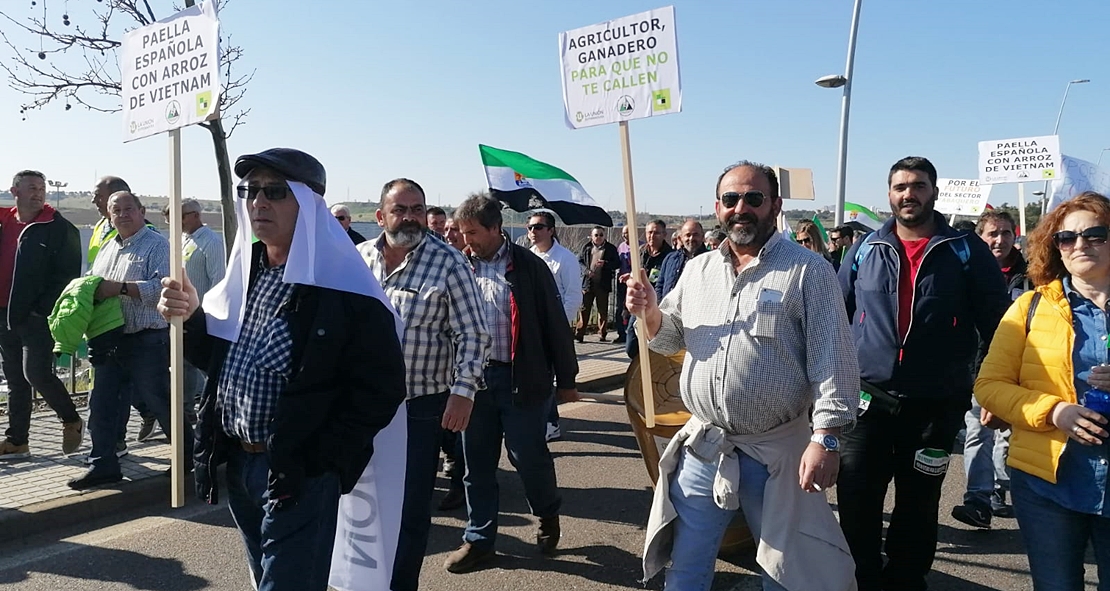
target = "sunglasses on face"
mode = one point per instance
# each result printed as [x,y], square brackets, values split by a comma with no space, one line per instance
[753,198]
[1067,239]
[804,241]
[272,192]
[537,227]
[341,218]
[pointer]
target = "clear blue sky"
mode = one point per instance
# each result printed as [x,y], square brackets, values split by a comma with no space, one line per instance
[378,90]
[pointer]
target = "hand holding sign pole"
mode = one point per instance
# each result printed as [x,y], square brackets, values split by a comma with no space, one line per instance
[614,72]
[170,79]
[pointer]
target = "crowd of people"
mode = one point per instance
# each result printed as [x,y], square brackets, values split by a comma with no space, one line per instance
[809,363]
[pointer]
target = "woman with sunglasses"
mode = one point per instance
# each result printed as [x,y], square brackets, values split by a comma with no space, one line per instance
[1038,377]
[809,236]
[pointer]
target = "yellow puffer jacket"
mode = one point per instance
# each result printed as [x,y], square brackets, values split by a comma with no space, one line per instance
[1024,377]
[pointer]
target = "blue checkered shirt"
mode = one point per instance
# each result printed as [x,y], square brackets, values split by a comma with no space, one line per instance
[445,340]
[203,252]
[142,259]
[496,301]
[260,363]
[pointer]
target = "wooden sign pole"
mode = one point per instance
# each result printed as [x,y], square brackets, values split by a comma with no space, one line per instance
[634,254]
[177,333]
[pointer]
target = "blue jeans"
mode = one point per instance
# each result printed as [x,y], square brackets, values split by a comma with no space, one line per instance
[553,411]
[425,415]
[138,362]
[701,524]
[522,427]
[985,453]
[289,548]
[1056,539]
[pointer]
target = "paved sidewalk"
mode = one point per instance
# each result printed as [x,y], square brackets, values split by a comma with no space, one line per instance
[34,495]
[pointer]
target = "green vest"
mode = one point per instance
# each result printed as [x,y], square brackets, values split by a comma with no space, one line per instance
[102,233]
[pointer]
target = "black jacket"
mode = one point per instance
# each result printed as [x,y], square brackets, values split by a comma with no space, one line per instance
[47,259]
[355,236]
[612,262]
[348,380]
[543,346]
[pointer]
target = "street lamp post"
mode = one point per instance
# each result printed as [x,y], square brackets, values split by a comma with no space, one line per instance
[1055,130]
[58,186]
[836,81]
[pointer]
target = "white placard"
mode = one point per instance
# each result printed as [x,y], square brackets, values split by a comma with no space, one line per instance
[1019,160]
[795,183]
[621,70]
[962,197]
[170,73]
[1076,177]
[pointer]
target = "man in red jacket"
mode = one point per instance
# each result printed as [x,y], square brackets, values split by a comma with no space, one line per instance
[40,252]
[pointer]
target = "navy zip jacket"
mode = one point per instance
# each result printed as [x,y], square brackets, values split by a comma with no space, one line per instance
[951,300]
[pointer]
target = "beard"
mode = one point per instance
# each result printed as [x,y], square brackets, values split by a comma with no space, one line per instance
[757,230]
[406,236]
[911,220]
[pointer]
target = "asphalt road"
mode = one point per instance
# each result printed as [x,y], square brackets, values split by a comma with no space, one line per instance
[606,500]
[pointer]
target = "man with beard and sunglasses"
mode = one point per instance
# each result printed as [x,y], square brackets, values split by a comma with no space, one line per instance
[445,342]
[765,344]
[920,295]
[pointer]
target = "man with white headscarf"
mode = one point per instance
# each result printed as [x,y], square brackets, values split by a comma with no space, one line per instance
[302,346]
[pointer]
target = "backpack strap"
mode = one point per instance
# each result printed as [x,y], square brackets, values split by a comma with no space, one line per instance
[1032,311]
[861,252]
[962,250]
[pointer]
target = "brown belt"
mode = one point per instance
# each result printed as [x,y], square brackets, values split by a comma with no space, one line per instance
[253,448]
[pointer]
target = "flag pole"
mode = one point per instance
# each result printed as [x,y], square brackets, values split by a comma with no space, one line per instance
[634,254]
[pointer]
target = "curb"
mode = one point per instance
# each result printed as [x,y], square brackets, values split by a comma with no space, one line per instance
[602,384]
[21,524]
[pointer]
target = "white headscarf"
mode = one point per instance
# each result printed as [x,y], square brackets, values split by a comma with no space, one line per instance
[321,254]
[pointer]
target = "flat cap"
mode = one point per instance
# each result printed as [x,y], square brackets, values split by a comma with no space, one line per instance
[293,164]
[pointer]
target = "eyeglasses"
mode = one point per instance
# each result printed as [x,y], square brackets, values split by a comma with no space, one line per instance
[804,241]
[341,218]
[753,198]
[1067,239]
[272,192]
[538,227]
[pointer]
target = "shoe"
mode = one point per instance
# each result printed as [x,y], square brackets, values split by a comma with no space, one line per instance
[467,558]
[554,433]
[547,537]
[602,339]
[121,450]
[455,498]
[72,434]
[620,339]
[999,508]
[11,451]
[581,338]
[971,515]
[93,478]
[146,430]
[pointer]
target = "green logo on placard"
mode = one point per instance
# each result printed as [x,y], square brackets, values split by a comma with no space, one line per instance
[661,100]
[204,101]
[173,112]
[1048,174]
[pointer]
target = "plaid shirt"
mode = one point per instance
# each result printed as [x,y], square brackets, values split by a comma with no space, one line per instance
[497,301]
[445,341]
[142,259]
[764,345]
[260,363]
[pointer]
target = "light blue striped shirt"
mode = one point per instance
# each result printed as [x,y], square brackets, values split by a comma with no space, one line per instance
[142,259]
[203,252]
[496,301]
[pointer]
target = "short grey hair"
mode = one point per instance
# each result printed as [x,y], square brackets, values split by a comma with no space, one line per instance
[340,208]
[191,205]
[763,168]
[480,207]
[19,176]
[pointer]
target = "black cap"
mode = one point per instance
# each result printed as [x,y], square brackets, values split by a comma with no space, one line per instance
[293,164]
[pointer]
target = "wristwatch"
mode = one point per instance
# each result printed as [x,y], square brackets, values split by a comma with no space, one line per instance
[123,289]
[827,441]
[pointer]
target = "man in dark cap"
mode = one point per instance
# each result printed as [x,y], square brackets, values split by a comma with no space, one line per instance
[303,350]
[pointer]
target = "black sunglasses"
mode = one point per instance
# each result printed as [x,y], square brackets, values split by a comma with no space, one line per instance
[753,198]
[538,227]
[341,218]
[1095,236]
[804,241]
[272,192]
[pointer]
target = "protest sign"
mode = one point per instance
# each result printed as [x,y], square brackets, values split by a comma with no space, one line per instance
[169,72]
[795,183]
[1019,160]
[961,197]
[621,69]
[1076,177]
